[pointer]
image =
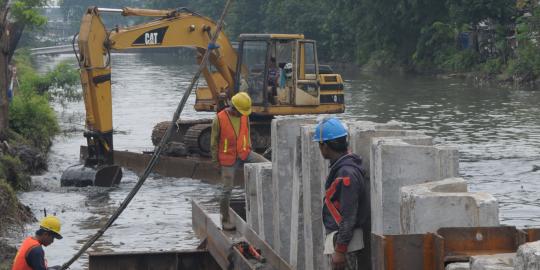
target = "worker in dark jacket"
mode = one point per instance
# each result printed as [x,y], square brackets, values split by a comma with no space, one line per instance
[30,255]
[346,205]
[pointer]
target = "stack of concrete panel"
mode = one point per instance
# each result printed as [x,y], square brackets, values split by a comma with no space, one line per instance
[446,203]
[315,170]
[396,163]
[259,199]
[528,256]
[285,172]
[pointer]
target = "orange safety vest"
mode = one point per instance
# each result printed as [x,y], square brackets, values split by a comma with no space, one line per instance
[333,206]
[232,146]
[20,259]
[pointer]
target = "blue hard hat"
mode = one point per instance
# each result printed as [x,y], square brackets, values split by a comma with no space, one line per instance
[329,129]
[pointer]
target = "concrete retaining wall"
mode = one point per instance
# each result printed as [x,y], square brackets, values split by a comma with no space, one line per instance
[430,206]
[285,197]
[395,164]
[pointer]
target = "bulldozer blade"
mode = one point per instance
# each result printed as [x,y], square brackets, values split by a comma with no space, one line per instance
[82,176]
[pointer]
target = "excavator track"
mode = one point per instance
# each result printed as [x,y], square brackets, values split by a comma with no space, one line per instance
[197,139]
[194,135]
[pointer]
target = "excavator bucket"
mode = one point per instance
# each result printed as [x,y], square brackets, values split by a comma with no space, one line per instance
[82,176]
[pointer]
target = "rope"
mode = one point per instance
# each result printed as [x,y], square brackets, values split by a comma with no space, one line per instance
[159,148]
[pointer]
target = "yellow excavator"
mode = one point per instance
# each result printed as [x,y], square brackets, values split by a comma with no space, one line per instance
[280,72]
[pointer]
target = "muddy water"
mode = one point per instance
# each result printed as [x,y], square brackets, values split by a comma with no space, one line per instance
[497,131]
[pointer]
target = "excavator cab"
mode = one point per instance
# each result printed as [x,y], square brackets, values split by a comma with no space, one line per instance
[278,70]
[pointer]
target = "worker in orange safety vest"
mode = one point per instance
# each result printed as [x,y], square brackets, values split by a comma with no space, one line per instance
[231,147]
[30,255]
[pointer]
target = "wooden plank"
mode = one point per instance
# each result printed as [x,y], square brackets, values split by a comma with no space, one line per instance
[219,243]
[272,258]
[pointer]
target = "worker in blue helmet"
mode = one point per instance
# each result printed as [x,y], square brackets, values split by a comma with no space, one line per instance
[346,204]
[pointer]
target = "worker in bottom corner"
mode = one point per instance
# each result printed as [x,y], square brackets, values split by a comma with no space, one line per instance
[346,204]
[231,147]
[30,255]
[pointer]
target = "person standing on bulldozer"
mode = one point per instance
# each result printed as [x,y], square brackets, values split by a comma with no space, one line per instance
[231,148]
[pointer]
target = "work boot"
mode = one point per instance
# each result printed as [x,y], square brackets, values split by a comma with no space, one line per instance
[226,223]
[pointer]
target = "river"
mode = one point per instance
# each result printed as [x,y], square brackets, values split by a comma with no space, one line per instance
[496,129]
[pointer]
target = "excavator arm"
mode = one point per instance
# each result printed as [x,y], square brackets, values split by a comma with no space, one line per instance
[171,28]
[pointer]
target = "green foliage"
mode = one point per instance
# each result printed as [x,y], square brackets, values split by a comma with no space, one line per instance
[59,83]
[12,170]
[31,116]
[491,67]
[25,11]
[462,61]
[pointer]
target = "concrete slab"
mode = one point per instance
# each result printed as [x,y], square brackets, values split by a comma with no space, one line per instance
[251,174]
[458,266]
[314,171]
[395,164]
[284,139]
[362,132]
[528,256]
[503,261]
[262,173]
[429,206]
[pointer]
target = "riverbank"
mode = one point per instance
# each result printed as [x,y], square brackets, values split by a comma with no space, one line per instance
[25,145]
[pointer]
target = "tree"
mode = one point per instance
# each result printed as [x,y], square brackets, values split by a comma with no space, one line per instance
[14,17]
[473,12]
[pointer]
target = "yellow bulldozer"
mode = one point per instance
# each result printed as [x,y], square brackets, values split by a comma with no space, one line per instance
[280,72]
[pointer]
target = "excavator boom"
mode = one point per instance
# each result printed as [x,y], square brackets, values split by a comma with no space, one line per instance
[280,72]
[173,28]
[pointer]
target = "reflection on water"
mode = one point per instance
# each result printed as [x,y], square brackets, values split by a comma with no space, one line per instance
[497,131]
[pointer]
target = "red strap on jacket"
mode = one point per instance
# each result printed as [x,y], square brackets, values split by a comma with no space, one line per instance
[334,206]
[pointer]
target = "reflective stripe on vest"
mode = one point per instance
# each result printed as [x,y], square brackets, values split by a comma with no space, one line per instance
[20,259]
[230,145]
[333,207]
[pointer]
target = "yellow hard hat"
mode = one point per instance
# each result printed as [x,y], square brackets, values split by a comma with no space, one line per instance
[242,102]
[52,224]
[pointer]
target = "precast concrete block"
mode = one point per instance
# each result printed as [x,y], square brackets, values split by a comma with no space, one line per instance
[284,139]
[429,206]
[265,201]
[502,261]
[458,266]
[528,256]
[250,184]
[314,172]
[395,164]
[361,136]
